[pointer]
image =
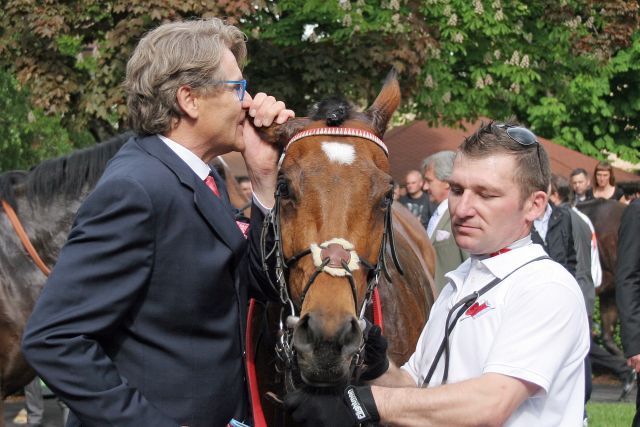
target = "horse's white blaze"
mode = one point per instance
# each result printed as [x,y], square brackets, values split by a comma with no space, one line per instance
[339,152]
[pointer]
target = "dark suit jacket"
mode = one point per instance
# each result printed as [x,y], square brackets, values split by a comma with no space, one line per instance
[141,322]
[558,242]
[628,278]
[582,243]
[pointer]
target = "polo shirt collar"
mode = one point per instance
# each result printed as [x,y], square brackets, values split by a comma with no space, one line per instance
[499,266]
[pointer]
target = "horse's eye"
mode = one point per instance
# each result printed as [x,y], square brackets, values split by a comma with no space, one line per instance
[386,200]
[283,188]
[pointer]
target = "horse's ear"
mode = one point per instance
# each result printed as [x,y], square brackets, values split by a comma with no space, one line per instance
[281,134]
[385,104]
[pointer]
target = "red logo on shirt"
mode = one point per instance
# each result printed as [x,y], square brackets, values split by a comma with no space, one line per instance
[477,308]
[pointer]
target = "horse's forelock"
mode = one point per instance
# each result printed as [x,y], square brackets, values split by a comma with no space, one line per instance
[334,111]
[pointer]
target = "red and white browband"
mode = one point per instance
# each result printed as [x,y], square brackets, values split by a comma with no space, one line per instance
[336,131]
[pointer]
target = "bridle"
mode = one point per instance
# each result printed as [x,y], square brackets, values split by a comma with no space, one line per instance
[328,258]
[24,238]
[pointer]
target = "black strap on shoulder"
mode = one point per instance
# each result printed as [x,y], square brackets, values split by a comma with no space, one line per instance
[462,306]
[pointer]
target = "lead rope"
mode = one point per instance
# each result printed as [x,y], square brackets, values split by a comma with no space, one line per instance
[24,238]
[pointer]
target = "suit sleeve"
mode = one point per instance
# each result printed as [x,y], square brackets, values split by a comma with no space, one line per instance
[628,279]
[99,279]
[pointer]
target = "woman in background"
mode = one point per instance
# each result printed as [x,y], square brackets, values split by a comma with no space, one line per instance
[605,182]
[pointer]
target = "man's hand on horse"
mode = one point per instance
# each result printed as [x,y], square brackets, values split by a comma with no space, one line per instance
[318,408]
[375,353]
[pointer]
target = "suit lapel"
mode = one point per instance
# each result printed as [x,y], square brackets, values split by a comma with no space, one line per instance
[441,225]
[215,210]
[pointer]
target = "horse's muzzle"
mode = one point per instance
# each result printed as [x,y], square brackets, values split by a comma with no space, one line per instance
[325,359]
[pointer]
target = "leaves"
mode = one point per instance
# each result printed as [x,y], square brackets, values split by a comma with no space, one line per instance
[568,69]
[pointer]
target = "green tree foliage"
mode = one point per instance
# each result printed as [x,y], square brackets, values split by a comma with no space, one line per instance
[26,135]
[567,68]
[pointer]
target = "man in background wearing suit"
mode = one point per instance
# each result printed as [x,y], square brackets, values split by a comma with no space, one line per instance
[436,170]
[628,290]
[141,322]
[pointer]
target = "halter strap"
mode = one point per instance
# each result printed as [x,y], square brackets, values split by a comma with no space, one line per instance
[337,131]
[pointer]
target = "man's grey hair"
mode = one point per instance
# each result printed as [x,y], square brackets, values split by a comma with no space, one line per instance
[442,163]
[170,56]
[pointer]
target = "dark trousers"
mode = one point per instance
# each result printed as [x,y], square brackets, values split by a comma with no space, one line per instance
[601,357]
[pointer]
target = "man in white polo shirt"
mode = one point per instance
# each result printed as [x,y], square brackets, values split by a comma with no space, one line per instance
[517,328]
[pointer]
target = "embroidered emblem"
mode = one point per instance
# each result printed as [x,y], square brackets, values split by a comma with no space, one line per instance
[477,309]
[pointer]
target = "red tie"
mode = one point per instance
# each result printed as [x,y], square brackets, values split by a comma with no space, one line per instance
[211,183]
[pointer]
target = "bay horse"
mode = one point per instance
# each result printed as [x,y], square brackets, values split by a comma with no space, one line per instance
[605,215]
[338,237]
[45,199]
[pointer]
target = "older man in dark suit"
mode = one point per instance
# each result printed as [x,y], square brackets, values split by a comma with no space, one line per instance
[141,322]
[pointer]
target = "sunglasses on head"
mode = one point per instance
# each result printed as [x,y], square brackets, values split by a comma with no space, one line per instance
[522,136]
[519,134]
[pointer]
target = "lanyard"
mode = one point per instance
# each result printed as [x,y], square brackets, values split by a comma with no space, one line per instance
[462,306]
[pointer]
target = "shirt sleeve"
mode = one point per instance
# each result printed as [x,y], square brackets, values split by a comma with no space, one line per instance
[544,328]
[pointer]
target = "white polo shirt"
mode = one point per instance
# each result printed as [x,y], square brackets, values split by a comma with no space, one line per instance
[531,326]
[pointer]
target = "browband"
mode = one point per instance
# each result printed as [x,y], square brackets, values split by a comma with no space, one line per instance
[337,131]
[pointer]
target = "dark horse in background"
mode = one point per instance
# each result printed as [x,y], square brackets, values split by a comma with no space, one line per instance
[45,199]
[338,237]
[605,216]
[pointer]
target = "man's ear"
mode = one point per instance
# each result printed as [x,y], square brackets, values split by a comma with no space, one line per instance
[536,205]
[187,101]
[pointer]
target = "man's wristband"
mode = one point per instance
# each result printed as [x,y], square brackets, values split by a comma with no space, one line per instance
[361,403]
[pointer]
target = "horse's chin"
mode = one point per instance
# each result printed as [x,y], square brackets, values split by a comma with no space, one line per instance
[324,372]
[330,384]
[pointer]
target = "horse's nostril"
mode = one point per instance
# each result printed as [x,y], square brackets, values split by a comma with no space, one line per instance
[303,335]
[350,337]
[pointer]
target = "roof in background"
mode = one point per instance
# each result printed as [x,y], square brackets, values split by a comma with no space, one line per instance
[410,144]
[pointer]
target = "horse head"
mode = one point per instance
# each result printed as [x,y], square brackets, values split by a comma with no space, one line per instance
[332,214]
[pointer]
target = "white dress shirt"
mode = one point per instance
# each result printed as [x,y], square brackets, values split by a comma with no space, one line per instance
[437,215]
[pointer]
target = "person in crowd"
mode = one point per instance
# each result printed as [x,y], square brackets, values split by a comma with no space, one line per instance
[141,322]
[605,182]
[581,186]
[396,191]
[554,233]
[628,290]
[520,332]
[245,186]
[587,277]
[436,170]
[588,267]
[630,190]
[33,413]
[416,200]
[588,274]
